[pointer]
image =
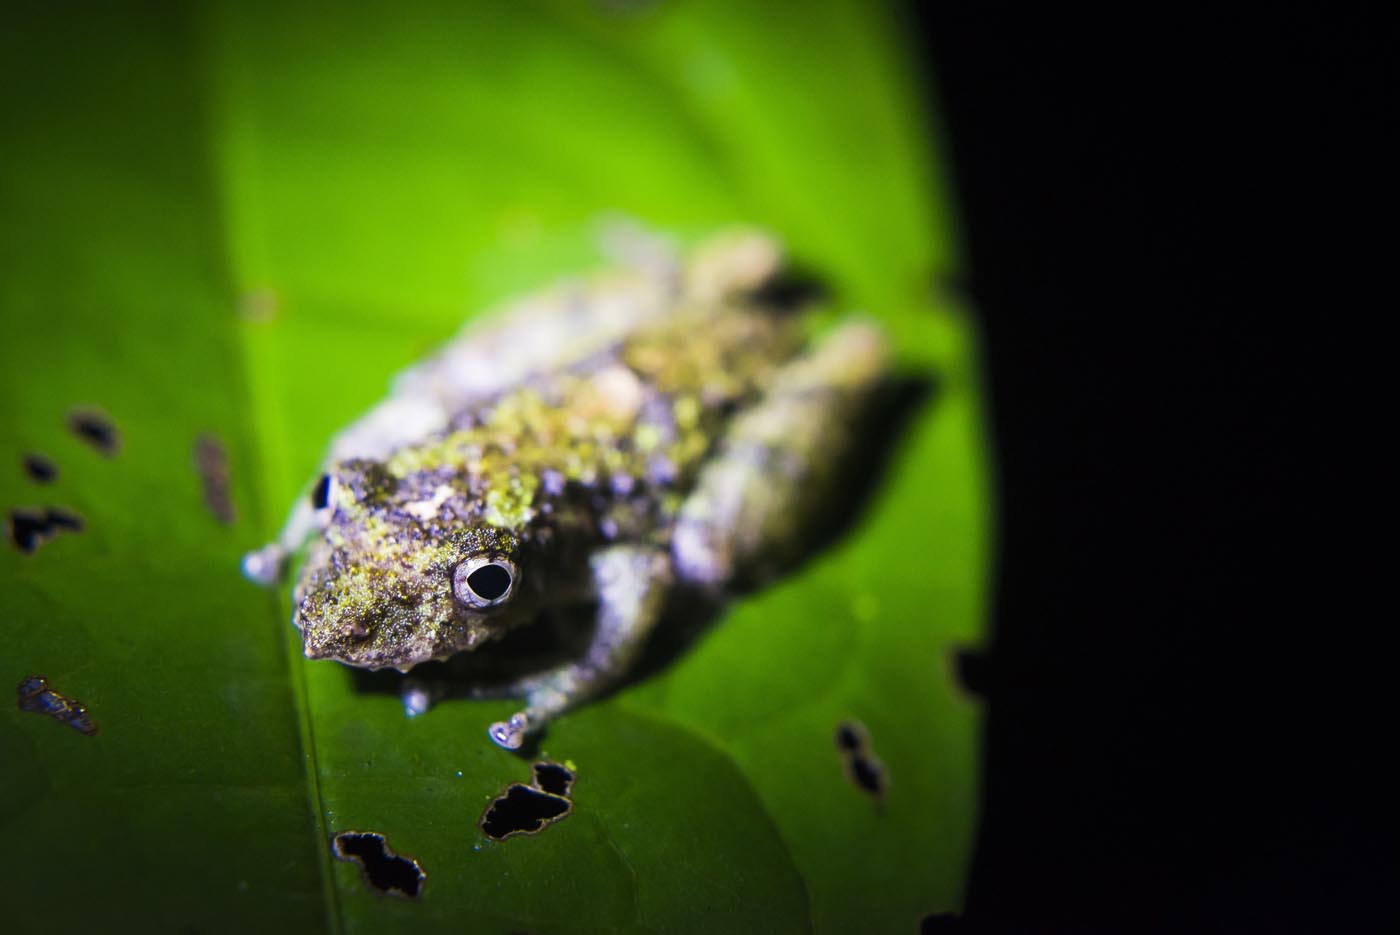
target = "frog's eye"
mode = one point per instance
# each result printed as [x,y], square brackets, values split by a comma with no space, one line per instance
[321,493]
[484,580]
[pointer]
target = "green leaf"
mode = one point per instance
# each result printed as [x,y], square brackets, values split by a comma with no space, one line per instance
[242,219]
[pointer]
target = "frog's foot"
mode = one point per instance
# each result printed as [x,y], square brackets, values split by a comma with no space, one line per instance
[630,583]
[548,696]
[511,734]
[737,261]
[419,696]
[265,566]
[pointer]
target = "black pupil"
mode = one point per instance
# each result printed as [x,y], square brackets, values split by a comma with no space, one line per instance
[321,493]
[489,582]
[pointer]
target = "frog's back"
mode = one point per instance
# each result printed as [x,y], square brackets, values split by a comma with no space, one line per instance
[610,434]
[707,363]
[557,330]
[630,425]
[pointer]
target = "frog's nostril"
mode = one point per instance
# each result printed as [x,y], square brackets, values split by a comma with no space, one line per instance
[354,630]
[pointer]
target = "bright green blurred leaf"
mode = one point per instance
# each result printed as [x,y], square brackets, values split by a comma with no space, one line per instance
[369,178]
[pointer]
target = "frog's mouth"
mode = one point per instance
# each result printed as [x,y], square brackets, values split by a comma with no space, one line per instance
[394,641]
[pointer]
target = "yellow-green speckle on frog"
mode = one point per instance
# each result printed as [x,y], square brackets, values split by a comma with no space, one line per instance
[664,425]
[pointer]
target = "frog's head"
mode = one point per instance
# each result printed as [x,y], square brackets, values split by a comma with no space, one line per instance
[399,576]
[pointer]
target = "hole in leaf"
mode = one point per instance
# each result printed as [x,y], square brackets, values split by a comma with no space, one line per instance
[40,469]
[95,428]
[972,669]
[867,774]
[528,809]
[383,869]
[36,697]
[553,778]
[863,769]
[211,462]
[59,518]
[31,528]
[28,529]
[523,810]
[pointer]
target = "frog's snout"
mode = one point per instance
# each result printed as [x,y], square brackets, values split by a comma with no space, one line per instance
[375,640]
[333,639]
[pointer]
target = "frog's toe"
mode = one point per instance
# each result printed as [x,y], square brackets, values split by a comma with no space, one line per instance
[510,734]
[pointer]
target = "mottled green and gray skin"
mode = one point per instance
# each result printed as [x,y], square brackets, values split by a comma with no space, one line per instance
[601,443]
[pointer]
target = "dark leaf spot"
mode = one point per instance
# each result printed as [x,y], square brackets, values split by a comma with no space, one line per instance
[31,528]
[96,429]
[27,529]
[868,775]
[384,870]
[553,778]
[60,518]
[847,737]
[862,767]
[321,493]
[36,697]
[211,461]
[523,810]
[40,469]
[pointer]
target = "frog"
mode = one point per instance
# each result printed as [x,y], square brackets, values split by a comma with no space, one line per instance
[669,425]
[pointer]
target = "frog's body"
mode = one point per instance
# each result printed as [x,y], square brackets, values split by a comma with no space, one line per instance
[601,444]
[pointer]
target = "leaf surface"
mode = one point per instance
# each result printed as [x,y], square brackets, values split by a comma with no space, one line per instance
[243,220]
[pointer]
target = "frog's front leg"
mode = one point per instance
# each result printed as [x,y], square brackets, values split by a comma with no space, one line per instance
[266,566]
[630,583]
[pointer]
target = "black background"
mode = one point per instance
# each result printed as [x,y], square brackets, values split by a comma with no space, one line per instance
[1167,213]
